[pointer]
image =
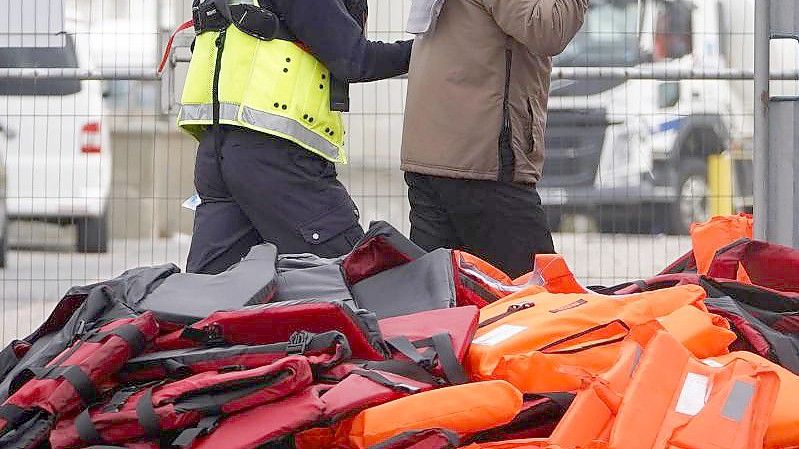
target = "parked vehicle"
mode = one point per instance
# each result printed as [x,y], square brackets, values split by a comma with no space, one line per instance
[59,156]
[4,133]
[633,153]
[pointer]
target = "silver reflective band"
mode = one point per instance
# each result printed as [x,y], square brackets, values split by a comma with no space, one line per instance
[738,401]
[263,120]
[291,128]
[195,112]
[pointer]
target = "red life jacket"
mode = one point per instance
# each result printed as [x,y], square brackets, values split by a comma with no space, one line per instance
[76,378]
[194,405]
[245,327]
[181,363]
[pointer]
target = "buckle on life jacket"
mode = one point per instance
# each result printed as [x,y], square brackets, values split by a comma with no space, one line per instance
[298,343]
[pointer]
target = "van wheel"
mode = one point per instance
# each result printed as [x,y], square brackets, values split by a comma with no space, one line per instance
[92,234]
[691,205]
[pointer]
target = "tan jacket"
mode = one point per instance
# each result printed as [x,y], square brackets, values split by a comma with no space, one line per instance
[458,81]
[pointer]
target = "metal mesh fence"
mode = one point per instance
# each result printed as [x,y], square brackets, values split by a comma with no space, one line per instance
[645,136]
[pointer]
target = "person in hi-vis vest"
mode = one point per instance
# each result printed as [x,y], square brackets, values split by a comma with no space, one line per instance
[264,95]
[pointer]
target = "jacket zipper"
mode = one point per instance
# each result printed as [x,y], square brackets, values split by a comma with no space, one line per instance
[511,310]
[506,159]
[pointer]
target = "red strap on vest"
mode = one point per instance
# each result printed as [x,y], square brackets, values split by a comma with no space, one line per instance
[165,58]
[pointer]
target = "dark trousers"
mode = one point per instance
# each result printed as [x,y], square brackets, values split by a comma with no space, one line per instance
[501,223]
[258,188]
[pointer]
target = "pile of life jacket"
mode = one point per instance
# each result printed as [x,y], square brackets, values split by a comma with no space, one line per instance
[391,347]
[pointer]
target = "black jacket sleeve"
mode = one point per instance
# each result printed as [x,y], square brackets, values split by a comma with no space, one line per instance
[333,36]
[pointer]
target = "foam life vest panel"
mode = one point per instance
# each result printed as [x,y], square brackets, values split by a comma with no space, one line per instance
[463,409]
[778,341]
[783,428]
[709,237]
[437,339]
[766,264]
[245,327]
[600,400]
[382,247]
[186,298]
[77,377]
[665,398]
[426,283]
[555,275]
[258,426]
[194,405]
[305,277]
[479,283]
[543,332]
[365,388]
[181,363]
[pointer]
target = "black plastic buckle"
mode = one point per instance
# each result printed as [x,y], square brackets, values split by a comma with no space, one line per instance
[298,343]
[205,17]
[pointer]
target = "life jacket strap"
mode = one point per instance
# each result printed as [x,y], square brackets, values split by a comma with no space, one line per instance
[86,429]
[146,415]
[204,427]
[132,335]
[12,414]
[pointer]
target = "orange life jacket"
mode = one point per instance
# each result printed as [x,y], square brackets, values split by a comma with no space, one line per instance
[540,333]
[553,270]
[464,409]
[671,400]
[534,443]
[783,429]
[709,237]
[490,278]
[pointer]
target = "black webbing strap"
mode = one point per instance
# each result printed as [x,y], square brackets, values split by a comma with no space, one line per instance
[146,415]
[128,332]
[380,379]
[412,437]
[440,346]
[87,432]
[453,370]
[119,399]
[81,382]
[405,369]
[408,349]
[204,427]
[11,414]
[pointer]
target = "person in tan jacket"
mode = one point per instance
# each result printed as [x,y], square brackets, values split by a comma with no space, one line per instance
[473,141]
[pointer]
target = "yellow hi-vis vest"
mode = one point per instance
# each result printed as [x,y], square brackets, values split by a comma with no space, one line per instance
[274,87]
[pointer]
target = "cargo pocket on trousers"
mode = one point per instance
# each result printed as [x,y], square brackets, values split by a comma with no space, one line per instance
[338,228]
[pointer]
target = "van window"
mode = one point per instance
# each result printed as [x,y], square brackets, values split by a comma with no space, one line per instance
[609,37]
[674,30]
[39,58]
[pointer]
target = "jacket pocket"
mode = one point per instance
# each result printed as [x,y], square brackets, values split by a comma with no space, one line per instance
[530,128]
[341,220]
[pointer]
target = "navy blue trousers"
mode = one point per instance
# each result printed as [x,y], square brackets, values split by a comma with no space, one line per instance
[258,188]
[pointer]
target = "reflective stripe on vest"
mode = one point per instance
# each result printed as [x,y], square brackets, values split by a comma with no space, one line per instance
[262,121]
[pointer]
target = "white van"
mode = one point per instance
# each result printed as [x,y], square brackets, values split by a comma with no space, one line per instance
[59,158]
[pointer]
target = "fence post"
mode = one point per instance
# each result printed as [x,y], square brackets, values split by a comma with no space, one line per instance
[761,137]
[777,137]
